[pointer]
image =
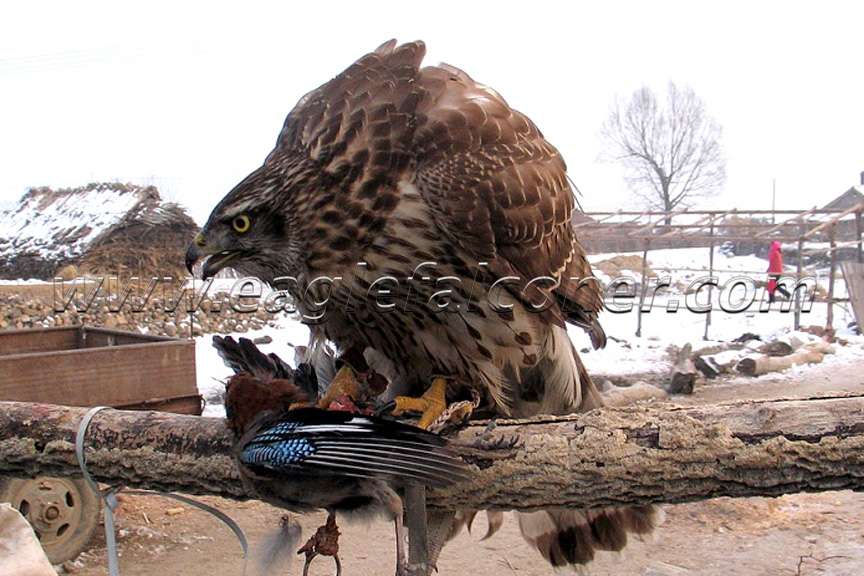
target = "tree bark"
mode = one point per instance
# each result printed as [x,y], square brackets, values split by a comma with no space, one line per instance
[613,456]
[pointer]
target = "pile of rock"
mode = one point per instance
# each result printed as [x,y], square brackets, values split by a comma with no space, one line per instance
[20,311]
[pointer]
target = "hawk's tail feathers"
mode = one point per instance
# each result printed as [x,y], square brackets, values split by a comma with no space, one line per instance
[465,519]
[571,537]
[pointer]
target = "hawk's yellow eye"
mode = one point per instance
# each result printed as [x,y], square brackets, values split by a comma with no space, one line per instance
[241,223]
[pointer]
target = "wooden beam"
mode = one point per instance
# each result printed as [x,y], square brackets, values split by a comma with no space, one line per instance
[790,221]
[760,212]
[609,457]
[710,286]
[698,224]
[859,235]
[705,236]
[832,221]
[832,273]
[643,288]
[799,268]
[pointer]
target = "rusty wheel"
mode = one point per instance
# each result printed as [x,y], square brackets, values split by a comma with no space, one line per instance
[63,512]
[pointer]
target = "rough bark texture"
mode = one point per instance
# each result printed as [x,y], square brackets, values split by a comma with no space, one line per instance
[613,456]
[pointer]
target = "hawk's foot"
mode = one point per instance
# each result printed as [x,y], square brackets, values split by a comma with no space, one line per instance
[431,405]
[343,384]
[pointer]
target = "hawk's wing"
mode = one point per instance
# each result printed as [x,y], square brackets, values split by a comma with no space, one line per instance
[496,187]
[499,190]
[362,118]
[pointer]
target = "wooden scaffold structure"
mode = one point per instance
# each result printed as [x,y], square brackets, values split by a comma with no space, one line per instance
[814,232]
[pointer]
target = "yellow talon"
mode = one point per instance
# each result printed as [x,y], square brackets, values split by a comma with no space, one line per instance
[431,405]
[344,383]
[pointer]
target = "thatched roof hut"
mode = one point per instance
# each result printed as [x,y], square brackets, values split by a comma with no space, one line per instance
[101,228]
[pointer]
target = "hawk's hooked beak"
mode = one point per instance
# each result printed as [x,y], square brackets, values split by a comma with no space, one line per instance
[214,262]
[193,252]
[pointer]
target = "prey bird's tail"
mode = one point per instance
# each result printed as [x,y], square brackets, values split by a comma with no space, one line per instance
[244,357]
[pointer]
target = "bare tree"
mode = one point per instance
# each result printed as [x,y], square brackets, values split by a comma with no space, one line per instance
[670,150]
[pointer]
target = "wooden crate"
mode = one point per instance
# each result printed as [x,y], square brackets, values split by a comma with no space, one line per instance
[83,366]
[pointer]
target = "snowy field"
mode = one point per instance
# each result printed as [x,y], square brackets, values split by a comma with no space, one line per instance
[661,328]
[625,353]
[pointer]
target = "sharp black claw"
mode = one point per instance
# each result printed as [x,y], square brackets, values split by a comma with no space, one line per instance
[385,409]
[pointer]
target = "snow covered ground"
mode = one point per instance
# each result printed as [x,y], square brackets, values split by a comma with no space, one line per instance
[23,282]
[661,328]
[625,353]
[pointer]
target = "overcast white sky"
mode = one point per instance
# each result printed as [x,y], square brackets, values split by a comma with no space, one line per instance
[191,97]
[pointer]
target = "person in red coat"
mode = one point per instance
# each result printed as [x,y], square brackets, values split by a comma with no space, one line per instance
[775,270]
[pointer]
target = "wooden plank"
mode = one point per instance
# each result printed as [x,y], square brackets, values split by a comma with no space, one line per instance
[28,340]
[38,340]
[95,337]
[853,273]
[113,376]
[859,231]
[182,405]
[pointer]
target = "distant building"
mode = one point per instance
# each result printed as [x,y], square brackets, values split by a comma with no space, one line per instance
[101,229]
[847,229]
[850,198]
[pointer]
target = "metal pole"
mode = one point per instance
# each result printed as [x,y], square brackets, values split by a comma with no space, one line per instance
[802,231]
[710,287]
[415,520]
[644,287]
[829,324]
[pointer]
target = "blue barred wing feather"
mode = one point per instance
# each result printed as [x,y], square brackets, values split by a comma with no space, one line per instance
[310,441]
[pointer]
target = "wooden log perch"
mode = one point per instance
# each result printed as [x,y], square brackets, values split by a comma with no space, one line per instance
[613,456]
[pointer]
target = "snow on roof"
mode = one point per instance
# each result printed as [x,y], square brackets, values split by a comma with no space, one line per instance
[60,224]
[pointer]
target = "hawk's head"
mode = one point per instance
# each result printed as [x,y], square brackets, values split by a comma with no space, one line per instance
[253,230]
